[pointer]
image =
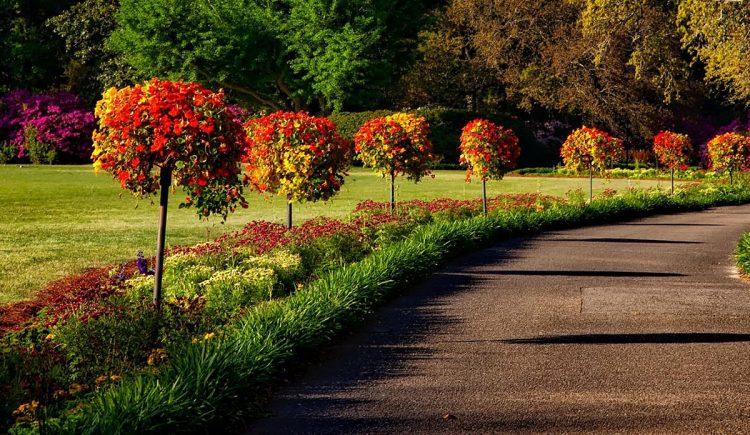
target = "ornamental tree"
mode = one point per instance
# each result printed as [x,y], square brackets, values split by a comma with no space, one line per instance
[180,129]
[297,156]
[395,145]
[591,149]
[673,151]
[488,151]
[729,152]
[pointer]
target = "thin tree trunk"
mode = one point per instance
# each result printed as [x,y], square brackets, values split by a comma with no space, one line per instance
[289,214]
[591,183]
[165,180]
[393,192]
[672,181]
[484,196]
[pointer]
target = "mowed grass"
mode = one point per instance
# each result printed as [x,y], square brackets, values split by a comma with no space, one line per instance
[58,220]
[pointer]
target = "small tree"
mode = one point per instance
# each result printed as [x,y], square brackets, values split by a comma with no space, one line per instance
[591,149]
[729,152]
[180,129]
[488,151]
[395,145]
[673,151]
[297,156]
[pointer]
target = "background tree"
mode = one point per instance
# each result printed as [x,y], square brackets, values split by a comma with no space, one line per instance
[718,33]
[729,152]
[180,129]
[395,145]
[488,151]
[32,57]
[92,66]
[296,156]
[320,54]
[673,151]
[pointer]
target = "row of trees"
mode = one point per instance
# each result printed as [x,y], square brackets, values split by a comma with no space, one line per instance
[630,67]
[152,133]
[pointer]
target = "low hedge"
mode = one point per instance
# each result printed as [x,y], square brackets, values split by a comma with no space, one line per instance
[742,254]
[691,174]
[445,132]
[227,376]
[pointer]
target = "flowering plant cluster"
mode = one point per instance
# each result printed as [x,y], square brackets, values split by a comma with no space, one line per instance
[488,150]
[673,149]
[397,144]
[179,125]
[295,155]
[60,119]
[591,143]
[729,152]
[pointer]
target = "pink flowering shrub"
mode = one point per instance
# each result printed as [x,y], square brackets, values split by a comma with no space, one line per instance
[59,118]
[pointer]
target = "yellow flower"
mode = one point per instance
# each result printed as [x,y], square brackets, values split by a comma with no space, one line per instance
[209,336]
[50,336]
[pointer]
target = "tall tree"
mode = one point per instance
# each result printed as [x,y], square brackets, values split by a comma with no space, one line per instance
[31,54]
[718,33]
[320,54]
[84,29]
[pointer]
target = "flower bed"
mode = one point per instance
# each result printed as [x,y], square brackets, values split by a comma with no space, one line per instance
[82,332]
[193,384]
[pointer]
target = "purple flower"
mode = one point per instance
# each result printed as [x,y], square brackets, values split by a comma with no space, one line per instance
[142,264]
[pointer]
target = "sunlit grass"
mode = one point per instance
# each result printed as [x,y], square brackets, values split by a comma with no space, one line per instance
[57,220]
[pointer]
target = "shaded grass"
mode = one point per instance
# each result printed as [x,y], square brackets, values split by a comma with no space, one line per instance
[58,220]
[224,377]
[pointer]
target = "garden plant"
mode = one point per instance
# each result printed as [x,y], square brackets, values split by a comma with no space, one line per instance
[153,132]
[395,145]
[297,156]
[729,152]
[488,151]
[593,150]
[673,151]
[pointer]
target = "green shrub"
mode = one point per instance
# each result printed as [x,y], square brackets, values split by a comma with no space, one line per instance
[231,289]
[742,254]
[286,265]
[114,342]
[8,152]
[38,152]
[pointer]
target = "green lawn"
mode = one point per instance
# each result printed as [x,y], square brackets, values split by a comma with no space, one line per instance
[61,219]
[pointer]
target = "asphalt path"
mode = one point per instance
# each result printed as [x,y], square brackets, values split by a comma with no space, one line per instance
[642,326]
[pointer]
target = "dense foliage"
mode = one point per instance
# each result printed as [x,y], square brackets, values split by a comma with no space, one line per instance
[280,53]
[295,155]
[396,145]
[730,152]
[601,150]
[673,149]
[176,124]
[488,150]
[58,119]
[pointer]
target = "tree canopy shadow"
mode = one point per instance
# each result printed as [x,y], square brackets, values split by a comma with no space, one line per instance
[635,338]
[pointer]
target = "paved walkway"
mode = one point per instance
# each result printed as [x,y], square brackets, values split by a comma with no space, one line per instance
[640,326]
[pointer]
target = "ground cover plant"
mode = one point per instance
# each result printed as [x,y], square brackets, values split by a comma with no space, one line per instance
[190,377]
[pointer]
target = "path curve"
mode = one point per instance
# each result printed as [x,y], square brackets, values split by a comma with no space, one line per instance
[633,327]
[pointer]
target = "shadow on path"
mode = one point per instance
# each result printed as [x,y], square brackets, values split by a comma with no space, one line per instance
[651,338]
[624,240]
[603,273]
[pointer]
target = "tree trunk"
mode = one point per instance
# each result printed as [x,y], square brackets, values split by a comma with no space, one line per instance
[484,196]
[165,180]
[392,206]
[289,214]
